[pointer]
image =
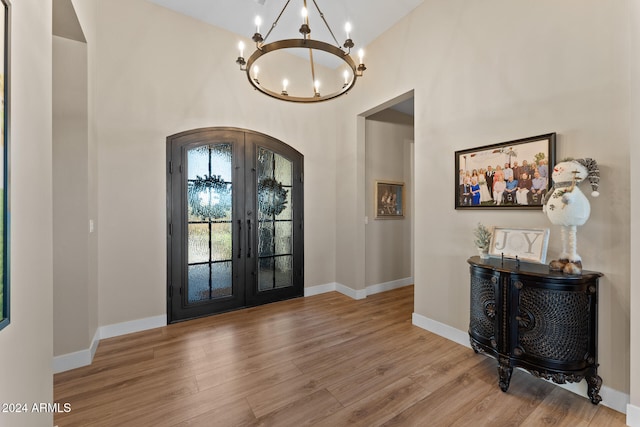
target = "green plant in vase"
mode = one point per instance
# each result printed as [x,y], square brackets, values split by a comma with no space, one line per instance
[482,240]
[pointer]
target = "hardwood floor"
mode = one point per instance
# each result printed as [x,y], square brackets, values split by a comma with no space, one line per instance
[325,360]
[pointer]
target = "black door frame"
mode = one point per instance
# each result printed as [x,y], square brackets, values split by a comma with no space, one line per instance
[244,243]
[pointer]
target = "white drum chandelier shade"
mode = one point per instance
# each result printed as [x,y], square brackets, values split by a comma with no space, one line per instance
[312,90]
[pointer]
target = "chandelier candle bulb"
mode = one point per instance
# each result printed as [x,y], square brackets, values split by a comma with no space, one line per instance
[256,70]
[347,28]
[304,14]
[241,48]
[258,22]
[346,76]
[361,56]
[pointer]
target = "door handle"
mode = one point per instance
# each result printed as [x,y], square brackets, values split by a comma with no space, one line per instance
[248,238]
[239,238]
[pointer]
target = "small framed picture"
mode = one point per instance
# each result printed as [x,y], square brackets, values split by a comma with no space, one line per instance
[508,175]
[389,200]
[527,244]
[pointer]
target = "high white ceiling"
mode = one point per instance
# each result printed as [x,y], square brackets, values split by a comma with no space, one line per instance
[368,18]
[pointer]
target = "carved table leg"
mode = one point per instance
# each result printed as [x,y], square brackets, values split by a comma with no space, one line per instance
[475,346]
[594,382]
[504,373]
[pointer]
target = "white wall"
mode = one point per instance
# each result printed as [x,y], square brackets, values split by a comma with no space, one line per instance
[87,11]
[388,241]
[493,72]
[26,344]
[158,74]
[73,323]
[482,74]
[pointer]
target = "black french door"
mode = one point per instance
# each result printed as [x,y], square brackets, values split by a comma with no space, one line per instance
[235,221]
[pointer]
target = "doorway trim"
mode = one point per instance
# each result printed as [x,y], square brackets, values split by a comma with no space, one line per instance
[361,198]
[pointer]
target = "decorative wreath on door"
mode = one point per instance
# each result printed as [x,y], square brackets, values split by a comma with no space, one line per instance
[209,197]
[272,197]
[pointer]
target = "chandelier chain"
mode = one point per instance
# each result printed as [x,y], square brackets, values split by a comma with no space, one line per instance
[327,24]
[276,21]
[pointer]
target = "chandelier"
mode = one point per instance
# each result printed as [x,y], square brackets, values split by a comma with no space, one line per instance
[305,88]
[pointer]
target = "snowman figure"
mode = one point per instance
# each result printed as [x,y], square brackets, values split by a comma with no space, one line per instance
[568,207]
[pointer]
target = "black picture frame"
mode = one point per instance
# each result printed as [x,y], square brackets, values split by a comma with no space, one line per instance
[539,153]
[5,31]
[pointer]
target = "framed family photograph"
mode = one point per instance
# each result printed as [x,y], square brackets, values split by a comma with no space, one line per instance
[4,161]
[508,175]
[389,200]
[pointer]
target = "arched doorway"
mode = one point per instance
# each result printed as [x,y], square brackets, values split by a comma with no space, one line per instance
[235,221]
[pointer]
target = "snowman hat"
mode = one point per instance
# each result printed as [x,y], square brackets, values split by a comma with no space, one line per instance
[593,174]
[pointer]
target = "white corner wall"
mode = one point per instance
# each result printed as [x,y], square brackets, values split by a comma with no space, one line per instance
[27,344]
[493,72]
[161,73]
[72,317]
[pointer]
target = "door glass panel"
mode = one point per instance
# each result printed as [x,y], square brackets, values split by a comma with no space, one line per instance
[198,243]
[275,215]
[265,238]
[283,271]
[266,274]
[221,238]
[209,197]
[198,282]
[283,238]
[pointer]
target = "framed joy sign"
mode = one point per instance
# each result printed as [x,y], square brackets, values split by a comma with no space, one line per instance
[527,244]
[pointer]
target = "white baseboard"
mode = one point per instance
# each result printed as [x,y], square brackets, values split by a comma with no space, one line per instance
[78,359]
[320,289]
[441,329]
[388,286]
[357,293]
[353,293]
[611,398]
[614,399]
[117,329]
[633,415]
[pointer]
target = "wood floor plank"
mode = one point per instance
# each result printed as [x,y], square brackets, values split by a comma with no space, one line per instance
[509,408]
[375,409]
[322,360]
[273,398]
[562,408]
[607,417]
[397,365]
[444,407]
[306,411]
[234,414]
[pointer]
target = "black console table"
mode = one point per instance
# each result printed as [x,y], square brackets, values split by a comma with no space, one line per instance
[543,321]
